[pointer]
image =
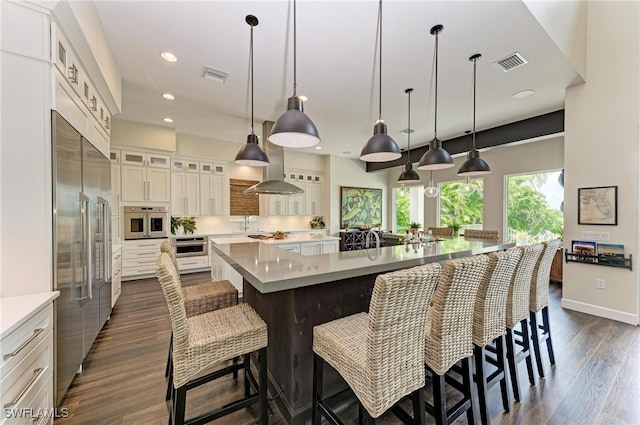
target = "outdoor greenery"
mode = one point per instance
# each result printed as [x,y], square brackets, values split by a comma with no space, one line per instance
[456,209]
[528,210]
[403,203]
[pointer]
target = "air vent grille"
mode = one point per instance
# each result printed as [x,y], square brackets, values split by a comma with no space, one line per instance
[215,75]
[511,62]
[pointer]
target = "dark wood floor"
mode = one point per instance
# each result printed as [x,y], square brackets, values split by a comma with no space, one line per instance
[596,379]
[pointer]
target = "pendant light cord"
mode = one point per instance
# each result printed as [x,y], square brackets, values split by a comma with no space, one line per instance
[435,120]
[473,138]
[380,60]
[251,62]
[295,84]
[409,127]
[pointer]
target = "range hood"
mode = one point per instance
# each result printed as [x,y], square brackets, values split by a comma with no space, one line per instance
[273,175]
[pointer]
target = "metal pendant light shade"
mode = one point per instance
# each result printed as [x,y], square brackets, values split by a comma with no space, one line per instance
[436,158]
[380,147]
[294,129]
[409,175]
[431,191]
[251,154]
[474,165]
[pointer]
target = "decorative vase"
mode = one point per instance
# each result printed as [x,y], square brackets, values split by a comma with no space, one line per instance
[521,240]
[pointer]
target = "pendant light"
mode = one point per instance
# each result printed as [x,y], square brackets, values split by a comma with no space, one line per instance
[474,165]
[466,188]
[431,191]
[380,147]
[436,158]
[294,129]
[409,175]
[251,153]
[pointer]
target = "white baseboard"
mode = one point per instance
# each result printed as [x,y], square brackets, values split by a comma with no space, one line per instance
[595,310]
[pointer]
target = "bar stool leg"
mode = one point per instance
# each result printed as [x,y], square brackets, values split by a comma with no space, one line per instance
[264,403]
[247,371]
[468,390]
[419,414]
[513,366]
[439,400]
[481,382]
[535,340]
[526,348]
[179,405]
[505,382]
[546,330]
[318,364]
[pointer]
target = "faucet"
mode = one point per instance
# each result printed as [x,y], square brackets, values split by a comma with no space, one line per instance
[367,242]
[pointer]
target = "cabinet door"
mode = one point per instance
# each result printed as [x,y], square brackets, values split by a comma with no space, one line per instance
[116,229]
[212,199]
[329,247]
[313,199]
[178,194]
[192,192]
[311,248]
[296,203]
[115,190]
[158,161]
[278,205]
[134,183]
[133,158]
[159,184]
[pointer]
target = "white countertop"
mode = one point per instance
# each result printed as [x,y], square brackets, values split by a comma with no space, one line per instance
[14,311]
[271,241]
[270,269]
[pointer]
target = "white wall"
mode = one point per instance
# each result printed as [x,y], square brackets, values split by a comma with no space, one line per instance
[141,135]
[535,156]
[601,149]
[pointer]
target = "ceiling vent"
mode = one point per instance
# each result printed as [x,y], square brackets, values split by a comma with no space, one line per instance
[511,62]
[215,75]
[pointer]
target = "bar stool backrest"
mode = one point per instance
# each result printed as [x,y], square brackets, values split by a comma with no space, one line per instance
[539,292]
[450,318]
[518,296]
[395,343]
[441,231]
[489,313]
[170,283]
[481,234]
[165,246]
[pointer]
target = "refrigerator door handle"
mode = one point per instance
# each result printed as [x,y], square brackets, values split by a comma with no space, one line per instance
[85,243]
[89,250]
[104,226]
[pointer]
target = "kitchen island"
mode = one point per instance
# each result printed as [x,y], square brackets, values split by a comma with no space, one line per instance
[293,293]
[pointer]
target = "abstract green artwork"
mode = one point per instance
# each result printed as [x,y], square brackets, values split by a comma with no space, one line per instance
[360,207]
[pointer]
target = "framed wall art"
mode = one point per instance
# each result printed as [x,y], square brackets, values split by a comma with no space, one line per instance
[360,207]
[598,205]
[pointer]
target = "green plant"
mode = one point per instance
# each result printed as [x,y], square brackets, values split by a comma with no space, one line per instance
[415,225]
[188,224]
[455,226]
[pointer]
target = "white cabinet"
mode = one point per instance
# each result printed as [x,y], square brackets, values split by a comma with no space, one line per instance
[145,159]
[293,247]
[116,275]
[309,203]
[211,168]
[114,156]
[145,183]
[319,247]
[275,204]
[139,258]
[116,229]
[185,193]
[212,195]
[26,366]
[193,263]
[185,165]
[115,189]
[313,191]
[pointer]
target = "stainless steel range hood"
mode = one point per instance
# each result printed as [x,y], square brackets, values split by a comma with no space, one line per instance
[273,175]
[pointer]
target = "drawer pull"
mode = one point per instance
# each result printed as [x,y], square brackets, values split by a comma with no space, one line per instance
[36,375]
[36,332]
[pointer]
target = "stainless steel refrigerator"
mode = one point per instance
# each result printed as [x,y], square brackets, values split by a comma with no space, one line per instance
[81,247]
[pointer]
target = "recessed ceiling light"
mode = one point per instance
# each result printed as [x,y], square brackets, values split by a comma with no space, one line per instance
[523,94]
[318,147]
[167,119]
[303,98]
[169,57]
[168,96]
[407,131]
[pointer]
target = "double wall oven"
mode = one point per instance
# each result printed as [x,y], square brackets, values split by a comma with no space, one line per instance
[146,222]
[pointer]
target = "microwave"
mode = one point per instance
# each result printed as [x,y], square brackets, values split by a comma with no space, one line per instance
[146,222]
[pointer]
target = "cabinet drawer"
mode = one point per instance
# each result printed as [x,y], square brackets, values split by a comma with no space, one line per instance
[141,262]
[139,270]
[23,339]
[148,245]
[36,409]
[33,370]
[188,263]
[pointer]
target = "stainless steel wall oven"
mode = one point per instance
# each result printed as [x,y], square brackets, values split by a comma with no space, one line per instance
[146,222]
[190,246]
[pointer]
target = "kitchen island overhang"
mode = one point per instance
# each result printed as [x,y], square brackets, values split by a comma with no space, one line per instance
[293,293]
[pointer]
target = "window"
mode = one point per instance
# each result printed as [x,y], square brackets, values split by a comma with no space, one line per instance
[409,207]
[460,209]
[534,206]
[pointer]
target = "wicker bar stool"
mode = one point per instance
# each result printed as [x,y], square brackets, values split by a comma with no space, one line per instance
[518,314]
[198,299]
[441,231]
[379,354]
[449,336]
[201,341]
[539,302]
[481,234]
[489,324]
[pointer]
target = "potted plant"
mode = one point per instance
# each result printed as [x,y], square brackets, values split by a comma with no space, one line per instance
[414,226]
[456,228]
[522,238]
[182,225]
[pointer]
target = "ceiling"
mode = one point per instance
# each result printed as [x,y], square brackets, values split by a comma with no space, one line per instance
[337,66]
